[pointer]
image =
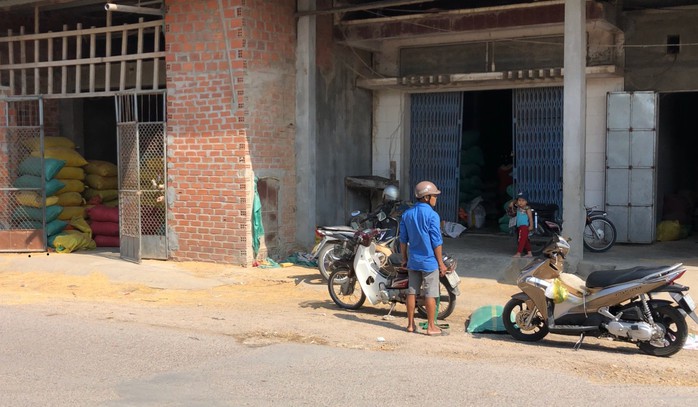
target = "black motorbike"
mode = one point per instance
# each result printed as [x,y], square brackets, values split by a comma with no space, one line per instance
[599,231]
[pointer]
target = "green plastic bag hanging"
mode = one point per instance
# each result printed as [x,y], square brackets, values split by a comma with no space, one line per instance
[257,227]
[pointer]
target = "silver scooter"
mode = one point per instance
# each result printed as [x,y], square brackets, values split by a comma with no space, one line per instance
[622,305]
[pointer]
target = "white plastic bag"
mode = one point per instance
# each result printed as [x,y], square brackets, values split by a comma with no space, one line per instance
[453,229]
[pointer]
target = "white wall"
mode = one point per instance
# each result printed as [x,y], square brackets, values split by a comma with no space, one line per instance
[388,133]
[595,186]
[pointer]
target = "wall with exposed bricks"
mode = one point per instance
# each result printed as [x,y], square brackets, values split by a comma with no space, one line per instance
[220,136]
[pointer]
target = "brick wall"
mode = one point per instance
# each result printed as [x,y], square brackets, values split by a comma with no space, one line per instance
[270,91]
[218,140]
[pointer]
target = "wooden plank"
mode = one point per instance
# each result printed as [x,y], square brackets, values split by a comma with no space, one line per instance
[93,52]
[122,74]
[139,61]
[23,59]
[107,68]
[156,61]
[11,57]
[37,89]
[78,55]
[85,61]
[50,69]
[64,68]
[101,30]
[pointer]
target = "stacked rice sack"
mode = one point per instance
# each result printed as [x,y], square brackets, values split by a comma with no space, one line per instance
[102,183]
[104,222]
[71,176]
[76,236]
[29,213]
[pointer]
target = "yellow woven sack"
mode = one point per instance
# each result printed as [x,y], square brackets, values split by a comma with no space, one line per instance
[106,194]
[30,198]
[49,141]
[103,168]
[69,212]
[71,173]
[100,182]
[71,157]
[72,240]
[70,199]
[79,223]
[71,185]
[668,230]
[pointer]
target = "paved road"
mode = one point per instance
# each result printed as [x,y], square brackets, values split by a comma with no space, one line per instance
[53,359]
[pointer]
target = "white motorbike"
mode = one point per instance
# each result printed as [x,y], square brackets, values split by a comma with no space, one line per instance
[352,282]
[622,305]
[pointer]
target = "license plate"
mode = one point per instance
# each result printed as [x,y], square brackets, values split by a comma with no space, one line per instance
[689,302]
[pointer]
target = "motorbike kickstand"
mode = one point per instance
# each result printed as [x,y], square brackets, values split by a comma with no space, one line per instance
[388,316]
[579,342]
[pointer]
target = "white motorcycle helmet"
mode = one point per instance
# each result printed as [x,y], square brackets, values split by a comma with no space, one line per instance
[391,193]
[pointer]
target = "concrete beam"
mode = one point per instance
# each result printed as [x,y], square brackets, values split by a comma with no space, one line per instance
[306,126]
[574,129]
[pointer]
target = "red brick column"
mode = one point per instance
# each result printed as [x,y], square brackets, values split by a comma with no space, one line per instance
[207,144]
[218,140]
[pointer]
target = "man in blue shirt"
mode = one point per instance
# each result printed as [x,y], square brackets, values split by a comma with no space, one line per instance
[420,245]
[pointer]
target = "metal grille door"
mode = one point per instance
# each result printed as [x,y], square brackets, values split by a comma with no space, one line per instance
[538,144]
[22,175]
[142,177]
[435,146]
[631,156]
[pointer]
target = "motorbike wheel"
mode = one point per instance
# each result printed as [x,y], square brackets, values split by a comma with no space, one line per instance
[325,258]
[675,332]
[345,289]
[517,311]
[447,303]
[599,234]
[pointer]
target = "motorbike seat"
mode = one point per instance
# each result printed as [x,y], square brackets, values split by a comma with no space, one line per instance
[338,229]
[606,278]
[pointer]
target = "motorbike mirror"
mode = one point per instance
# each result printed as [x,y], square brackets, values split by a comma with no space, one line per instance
[381,216]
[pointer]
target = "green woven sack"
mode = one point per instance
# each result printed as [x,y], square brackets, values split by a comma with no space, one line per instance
[486,319]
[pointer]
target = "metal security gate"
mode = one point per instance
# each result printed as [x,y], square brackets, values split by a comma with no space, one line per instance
[631,157]
[538,144]
[140,119]
[435,144]
[22,175]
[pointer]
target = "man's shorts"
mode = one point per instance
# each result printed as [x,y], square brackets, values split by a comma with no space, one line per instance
[428,281]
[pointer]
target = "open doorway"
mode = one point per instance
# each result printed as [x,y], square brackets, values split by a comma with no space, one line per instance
[486,159]
[677,167]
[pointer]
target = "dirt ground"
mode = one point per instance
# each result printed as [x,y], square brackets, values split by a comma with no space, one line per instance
[260,307]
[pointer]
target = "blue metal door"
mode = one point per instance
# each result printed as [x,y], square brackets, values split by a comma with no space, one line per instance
[435,140]
[538,144]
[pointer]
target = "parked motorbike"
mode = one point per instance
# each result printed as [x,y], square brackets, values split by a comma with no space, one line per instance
[337,243]
[352,282]
[617,304]
[599,231]
[332,246]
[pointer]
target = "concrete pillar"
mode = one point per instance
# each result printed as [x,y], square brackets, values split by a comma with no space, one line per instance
[574,128]
[306,126]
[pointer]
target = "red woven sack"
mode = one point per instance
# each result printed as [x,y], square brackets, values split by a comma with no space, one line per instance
[102,213]
[105,228]
[107,241]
